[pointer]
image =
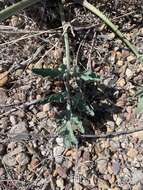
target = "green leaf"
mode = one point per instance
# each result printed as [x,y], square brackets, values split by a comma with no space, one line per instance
[77,124]
[82,106]
[57,98]
[52,73]
[89,76]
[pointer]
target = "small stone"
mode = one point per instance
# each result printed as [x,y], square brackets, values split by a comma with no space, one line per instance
[3,78]
[116,166]
[22,159]
[121,82]
[77,186]
[129,73]
[34,162]
[60,183]
[3,96]
[61,171]
[103,185]
[132,153]
[137,176]
[119,63]
[111,36]
[19,128]
[110,126]
[102,164]
[57,153]
[2,171]
[46,107]
[131,58]
[41,115]
[60,141]
[9,160]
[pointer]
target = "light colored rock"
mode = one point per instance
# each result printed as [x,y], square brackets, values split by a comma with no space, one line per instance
[19,128]
[41,115]
[121,82]
[3,96]
[132,153]
[57,153]
[9,160]
[129,73]
[137,176]
[60,141]
[60,183]
[22,159]
[103,185]
[102,164]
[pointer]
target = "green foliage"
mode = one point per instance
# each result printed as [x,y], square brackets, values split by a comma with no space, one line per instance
[72,122]
[68,130]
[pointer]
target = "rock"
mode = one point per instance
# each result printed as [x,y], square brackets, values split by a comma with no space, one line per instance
[3,78]
[18,129]
[111,36]
[33,164]
[2,171]
[46,107]
[77,186]
[119,63]
[103,185]
[3,123]
[137,176]
[57,153]
[132,153]
[131,58]
[22,158]
[3,96]
[60,141]
[137,187]
[9,160]
[102,164]
[60,183]
[129,73]
[61,171]
[116,167]
[121,82]
[41,115]
[110,126]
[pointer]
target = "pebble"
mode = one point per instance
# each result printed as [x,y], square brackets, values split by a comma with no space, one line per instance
[3,96]
[19,128]
[60,183]
[116,167]
[102,164]
[9,160]
[129,73]
[57,153]
[2,171]
[60,141]
[137,176]
[132,153]
[121,82]
[22,159]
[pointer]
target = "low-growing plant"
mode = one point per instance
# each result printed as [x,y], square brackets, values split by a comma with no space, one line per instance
[72,121]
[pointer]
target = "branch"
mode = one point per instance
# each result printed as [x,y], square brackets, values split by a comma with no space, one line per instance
[66,59]
[115,29]
[9,11]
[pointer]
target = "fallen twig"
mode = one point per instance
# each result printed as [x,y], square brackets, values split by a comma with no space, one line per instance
[115,29]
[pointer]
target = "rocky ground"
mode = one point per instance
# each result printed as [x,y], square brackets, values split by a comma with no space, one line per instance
[32,157]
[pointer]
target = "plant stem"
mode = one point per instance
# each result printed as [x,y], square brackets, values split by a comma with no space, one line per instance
[115,29]
[66,59]
[9,11]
